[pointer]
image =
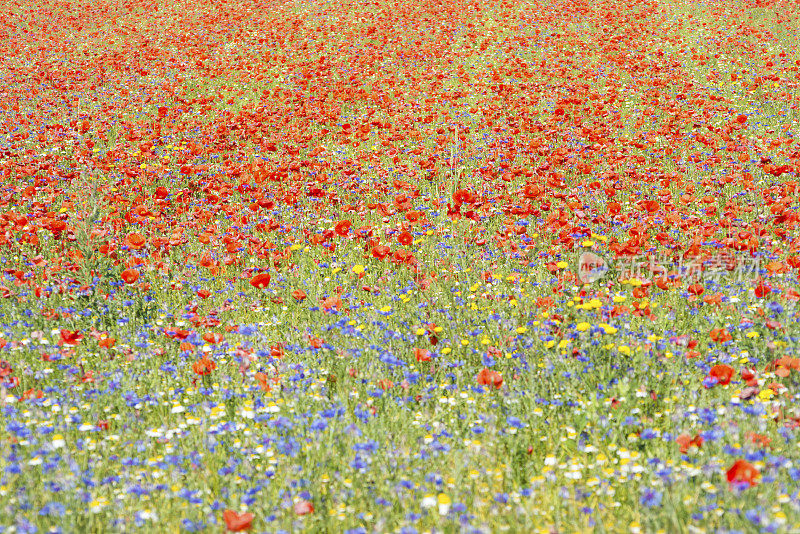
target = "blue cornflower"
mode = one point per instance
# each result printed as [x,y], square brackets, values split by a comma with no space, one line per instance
[753,516]
[26,527]
[709,382]
[13,469]
[407,484]
[775,308]
[358,463]
[190,496]
[369,446]
[190,526]
[247,330]
[515,422]
[650,498]
[648,433]
[318,425]
[707,415]
[53,508]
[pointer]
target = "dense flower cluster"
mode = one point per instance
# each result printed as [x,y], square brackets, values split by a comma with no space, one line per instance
[472,266]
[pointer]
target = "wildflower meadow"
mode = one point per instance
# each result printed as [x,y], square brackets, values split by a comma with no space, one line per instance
[366,266]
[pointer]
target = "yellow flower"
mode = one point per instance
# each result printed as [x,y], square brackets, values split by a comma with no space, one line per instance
[583,327]
[358,269]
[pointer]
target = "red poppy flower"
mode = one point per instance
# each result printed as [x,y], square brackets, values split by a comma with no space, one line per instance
[380,251]
[135,241]
[204,366]
[413,216]
[129,276]
[235,522]
[788,362]
[385,384]
[212,338]
[69,337]
[57,227]
[422,355]
[332,303]
[405,238]
[487,377]
[762,290]
[651,206]
[759,439]
[343,227]
[32,394]
[686,442]
[260,280]
[743,472]
[303,508]
[299,295]
[772,324]
[723,374]
[720,335]
[262,379]
[463,196]
[695,289]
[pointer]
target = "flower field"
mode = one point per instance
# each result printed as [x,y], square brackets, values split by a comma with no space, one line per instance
[369,266]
